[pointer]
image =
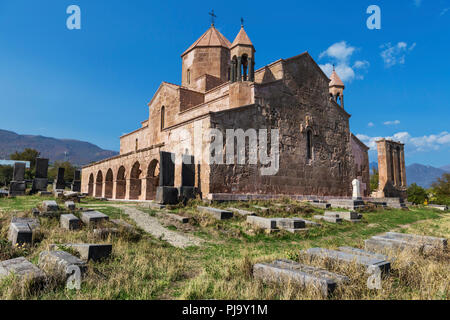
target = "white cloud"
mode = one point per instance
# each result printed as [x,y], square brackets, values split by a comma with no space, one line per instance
[391,123]
[431,142]
[396,54]
[371,124]
[341,54]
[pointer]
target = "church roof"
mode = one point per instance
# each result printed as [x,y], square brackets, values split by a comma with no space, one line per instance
[242,38]
[211,38]
[335,80]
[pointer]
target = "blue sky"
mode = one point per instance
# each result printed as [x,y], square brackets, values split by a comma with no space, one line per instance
[94,84]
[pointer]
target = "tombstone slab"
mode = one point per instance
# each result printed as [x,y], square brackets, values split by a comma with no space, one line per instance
[70,222]
[20,233]
[93,218]
[187,193]
[361,252]
[346,257]
[76,184]
[242,212]
[263,209]
[217,214]
[263,223]
[320,205]
[166,195]
[349,204]
[56,263]
[59,183]
[328,219]
[178,217]
[94,252]
[70,205]
[285,271]
[104,233]
[188,171]
[23,269]
[166,169]
[286,223]
[44,193]
[50,206]
[356,184]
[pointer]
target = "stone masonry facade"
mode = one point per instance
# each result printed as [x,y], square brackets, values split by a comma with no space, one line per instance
[318,154]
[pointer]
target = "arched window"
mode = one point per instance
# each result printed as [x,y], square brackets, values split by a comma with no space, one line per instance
[244,67]
[188,76]
[163,111]
[309,148]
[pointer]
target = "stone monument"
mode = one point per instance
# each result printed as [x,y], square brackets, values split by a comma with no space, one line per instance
[166,193]
[76,184]
[40,180]
[17,186]
[59,183]
[356,189]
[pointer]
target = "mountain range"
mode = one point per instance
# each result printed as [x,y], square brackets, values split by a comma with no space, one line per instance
[420,174]
[77,152]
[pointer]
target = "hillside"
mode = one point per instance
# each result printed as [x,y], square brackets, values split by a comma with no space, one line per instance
[78,152]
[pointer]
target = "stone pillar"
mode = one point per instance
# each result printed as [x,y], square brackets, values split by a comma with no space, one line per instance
[252,70]
[233,71]
[114,190]
[239,67]
[128,189]
[402,166]
[396,159]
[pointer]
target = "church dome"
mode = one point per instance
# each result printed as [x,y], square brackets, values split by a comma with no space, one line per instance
[211,38]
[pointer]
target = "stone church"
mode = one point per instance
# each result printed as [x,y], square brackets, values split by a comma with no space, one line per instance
[220,89]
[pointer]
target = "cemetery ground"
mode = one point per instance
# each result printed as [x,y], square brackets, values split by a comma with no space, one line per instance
[220,267]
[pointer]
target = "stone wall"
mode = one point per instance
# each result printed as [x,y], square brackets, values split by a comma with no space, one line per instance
[362,170]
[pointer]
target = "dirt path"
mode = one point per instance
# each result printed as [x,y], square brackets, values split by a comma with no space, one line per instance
[151,225]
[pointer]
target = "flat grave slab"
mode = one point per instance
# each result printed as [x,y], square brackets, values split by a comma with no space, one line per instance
[56,262]
[347,203]
[264,223]
[364,253]
[320,205]
[104,233]
[177,217]
[346,257]
[288,223]
[94,252]
[23,269]
[392,241]
[263,209]
[328,219]
[70,222]
[20,233]
[217,214]
[123,224]
[50,206]
[285,271]
[70,205]
[93,218]
[242,212]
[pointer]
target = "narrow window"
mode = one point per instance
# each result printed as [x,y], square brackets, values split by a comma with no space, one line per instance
[137,145]
[309,150]
[188,76]
[163,110]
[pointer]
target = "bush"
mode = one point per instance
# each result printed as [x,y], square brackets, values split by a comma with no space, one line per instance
[417,194]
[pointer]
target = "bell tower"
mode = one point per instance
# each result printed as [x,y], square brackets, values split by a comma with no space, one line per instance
[242,57]
[337,88]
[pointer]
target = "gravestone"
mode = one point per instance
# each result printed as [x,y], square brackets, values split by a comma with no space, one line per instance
[320,205]
[328,218]
[23,269]
[263,223]
[166,193]
[59,183]
[50,206]
[349,204]
[286,271]
[242,212]
[70,205]
[18,186]
[188,171]
[217,214]
[93,218]
[69,222]
[356,189]
[392,242]
[76,184]
[20,233]
[40,180]
[57,262]
[94,252]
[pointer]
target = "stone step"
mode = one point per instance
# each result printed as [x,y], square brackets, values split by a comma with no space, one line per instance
[285,271]
[346,257]
[23,269]
[242,212]
[261,222]
[217,214]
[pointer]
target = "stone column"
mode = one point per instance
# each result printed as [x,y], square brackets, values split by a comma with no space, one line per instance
[403,169]
[233,71]
[143,194]
[114,189]
[252,69]
[104,189]
[128,189]
[239,71]
[396,168]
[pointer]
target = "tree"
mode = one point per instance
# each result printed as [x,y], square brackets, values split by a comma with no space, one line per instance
[6,175]
[27,155]
[441,188]
[374,178]
[68,173]
[417,194]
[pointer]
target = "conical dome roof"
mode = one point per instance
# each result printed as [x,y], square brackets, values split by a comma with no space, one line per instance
[335,80]
[242,38]
[211,38]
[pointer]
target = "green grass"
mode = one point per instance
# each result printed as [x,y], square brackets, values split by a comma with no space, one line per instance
[149,268]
